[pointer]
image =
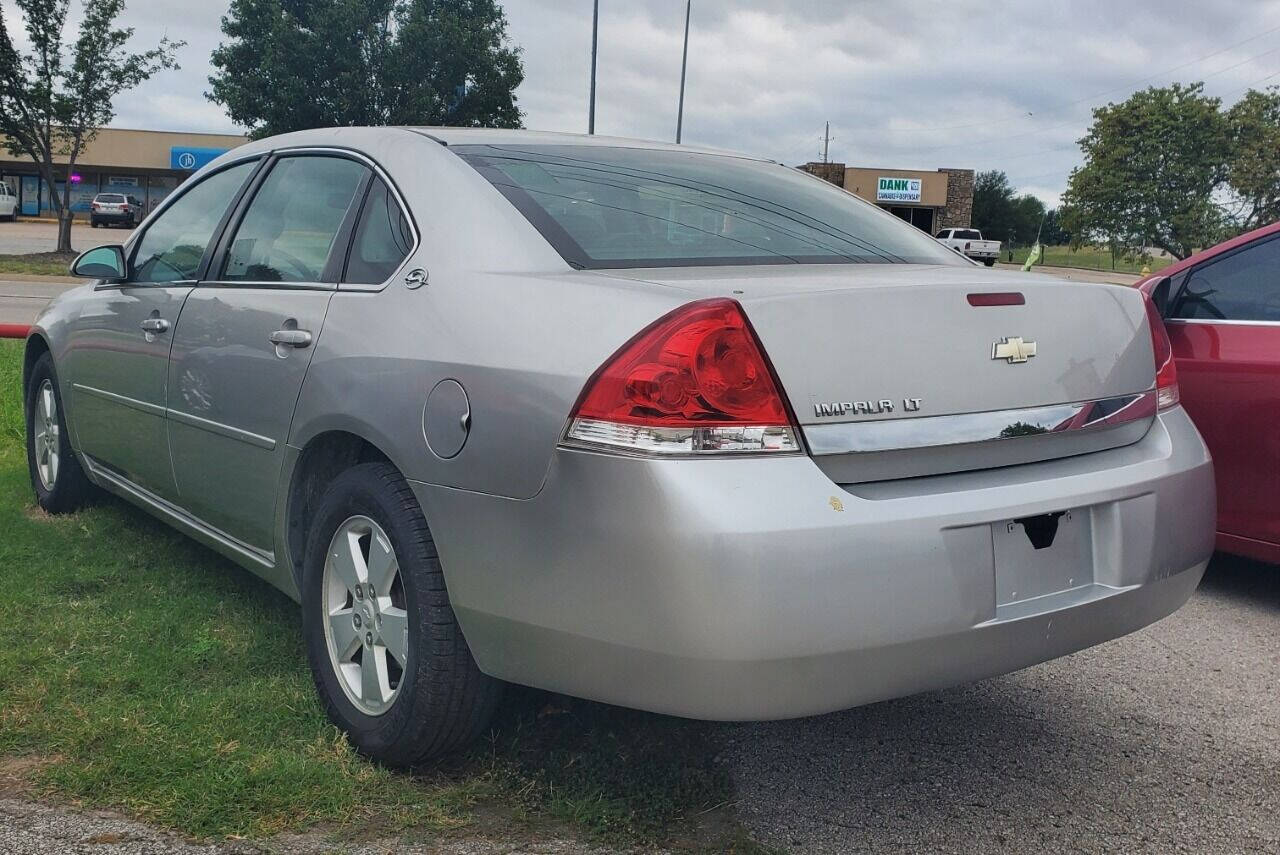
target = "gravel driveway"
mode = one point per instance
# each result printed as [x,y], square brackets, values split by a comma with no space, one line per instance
[1167,740]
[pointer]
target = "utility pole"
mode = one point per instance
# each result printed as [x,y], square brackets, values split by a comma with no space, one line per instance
[684,66]
[826,143]
[595,36]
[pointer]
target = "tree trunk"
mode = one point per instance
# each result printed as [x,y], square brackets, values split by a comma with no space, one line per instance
[65,215]
[64,230]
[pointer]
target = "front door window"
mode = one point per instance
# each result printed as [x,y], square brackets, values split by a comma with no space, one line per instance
[176,241]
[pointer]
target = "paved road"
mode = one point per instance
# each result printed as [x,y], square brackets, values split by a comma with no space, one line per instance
[1167,740]
[20,302]
[24,237]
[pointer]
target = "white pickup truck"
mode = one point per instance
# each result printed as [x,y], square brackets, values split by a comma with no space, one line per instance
[969,242]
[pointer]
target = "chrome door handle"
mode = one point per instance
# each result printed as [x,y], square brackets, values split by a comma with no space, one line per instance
[155,325]
[291,338]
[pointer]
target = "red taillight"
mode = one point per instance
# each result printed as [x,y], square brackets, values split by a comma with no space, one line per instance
[967,244]
[1167,394]
[95,205]
[694,381]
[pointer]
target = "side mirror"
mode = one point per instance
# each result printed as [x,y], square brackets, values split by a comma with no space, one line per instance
[101,262]
[1160,296]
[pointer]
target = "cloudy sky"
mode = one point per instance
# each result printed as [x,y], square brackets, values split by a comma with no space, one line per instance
[1005,85]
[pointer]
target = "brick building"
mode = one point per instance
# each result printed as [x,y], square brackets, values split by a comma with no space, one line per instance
[940,199]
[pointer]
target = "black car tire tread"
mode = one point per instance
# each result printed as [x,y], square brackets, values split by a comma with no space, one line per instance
[445,701]
[71,488]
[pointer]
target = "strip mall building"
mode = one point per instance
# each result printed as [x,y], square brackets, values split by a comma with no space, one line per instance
[930,200]
[147,165]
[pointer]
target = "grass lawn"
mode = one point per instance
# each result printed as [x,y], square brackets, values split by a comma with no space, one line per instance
[142,672]
[1092,258]
[38,263]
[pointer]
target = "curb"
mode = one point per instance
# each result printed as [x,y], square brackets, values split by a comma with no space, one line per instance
[14,330]
[39,277]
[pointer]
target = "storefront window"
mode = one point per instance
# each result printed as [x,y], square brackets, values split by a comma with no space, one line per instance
[158,187]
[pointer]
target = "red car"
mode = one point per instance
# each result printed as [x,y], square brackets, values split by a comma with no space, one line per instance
[1222,310]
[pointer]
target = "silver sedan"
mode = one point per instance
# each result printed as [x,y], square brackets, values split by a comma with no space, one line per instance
[664,427]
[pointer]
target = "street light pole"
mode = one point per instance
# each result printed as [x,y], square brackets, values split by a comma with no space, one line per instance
[595,34]
[684,66]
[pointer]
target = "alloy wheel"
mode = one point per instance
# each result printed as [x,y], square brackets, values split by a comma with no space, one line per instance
[366,624]
[47,434]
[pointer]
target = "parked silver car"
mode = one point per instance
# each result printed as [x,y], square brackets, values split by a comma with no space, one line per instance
[664,427]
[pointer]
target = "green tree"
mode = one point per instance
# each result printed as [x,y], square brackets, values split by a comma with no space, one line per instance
[1028,214]
[1253,170]
[55,96]
[1052,233]
[993,199]
[1002,215]
[1152,166]
[294,64]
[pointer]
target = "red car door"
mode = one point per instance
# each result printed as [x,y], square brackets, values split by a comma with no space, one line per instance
[1224,323]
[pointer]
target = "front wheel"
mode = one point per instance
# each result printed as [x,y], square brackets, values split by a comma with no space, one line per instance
[386,652]
[59,482]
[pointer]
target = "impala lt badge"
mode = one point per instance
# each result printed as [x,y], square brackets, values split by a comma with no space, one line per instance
[864,408]
[1013,349]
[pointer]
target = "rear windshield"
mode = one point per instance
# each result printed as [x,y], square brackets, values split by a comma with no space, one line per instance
[605,207]
[966,234]
[110,197]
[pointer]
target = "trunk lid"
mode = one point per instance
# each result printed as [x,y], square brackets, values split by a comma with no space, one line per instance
[892,372]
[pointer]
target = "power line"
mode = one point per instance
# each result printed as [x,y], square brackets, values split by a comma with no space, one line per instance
[1104,92]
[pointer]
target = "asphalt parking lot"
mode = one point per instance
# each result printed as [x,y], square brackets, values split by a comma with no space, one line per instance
[27,236]
[1167,740]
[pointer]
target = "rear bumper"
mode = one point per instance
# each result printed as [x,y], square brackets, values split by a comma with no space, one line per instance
[111,217]
[738,589]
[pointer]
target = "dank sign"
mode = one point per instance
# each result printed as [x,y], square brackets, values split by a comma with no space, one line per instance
[898,190]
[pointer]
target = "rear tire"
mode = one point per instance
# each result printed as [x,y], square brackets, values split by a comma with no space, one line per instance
[59,483]
[402,713]
[990,262]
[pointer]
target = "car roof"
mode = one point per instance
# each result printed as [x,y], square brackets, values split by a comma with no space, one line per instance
[506,136]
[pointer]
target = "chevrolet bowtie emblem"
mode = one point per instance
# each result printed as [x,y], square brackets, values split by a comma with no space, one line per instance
[1013,349]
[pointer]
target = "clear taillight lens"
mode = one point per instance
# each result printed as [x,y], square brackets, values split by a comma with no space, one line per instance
[695,381]
[1167,394]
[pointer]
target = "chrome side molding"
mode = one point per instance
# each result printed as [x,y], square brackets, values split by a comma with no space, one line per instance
[962,428]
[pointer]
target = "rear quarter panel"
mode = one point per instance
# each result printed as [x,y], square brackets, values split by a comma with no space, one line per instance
[522,346]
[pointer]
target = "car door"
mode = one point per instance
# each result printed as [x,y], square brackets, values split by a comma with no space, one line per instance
[1224,323]
[117,354]
[243,343]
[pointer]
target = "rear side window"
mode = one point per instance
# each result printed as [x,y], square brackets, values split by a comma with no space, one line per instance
[174,243]
[289,228]
[383,238]
[1243,286]
[613,207]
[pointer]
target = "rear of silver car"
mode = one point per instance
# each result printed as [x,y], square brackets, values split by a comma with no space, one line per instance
[984,477]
